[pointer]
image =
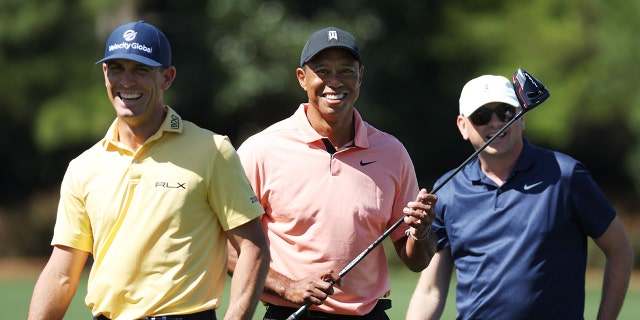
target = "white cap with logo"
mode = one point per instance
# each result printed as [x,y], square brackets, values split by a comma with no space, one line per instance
[486,89]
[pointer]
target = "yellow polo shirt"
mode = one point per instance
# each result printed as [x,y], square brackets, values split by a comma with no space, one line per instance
[154,219]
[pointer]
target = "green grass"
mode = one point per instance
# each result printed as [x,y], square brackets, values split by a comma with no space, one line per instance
[15,296]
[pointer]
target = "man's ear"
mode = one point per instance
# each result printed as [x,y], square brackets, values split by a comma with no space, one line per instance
[300,74]
[169,75]
[462,127]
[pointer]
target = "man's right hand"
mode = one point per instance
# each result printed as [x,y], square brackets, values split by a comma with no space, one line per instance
[312,289]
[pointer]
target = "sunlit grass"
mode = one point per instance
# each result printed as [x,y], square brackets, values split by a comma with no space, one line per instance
[15,296]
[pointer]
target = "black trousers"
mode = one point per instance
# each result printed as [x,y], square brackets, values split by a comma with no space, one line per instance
[282,313]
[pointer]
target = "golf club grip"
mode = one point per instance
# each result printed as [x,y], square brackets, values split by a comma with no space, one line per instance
[295,315]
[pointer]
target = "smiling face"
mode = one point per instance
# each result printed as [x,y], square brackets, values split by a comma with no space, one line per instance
[332,81]
[134,89]
[506,144]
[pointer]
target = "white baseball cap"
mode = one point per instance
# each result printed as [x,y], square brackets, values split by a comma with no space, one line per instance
[486,89]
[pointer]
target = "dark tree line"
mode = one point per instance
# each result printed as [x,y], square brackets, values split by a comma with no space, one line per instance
[236,62]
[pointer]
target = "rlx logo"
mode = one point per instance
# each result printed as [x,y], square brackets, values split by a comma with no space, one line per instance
[170,186]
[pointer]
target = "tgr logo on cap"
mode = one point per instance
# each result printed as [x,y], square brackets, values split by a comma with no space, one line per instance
[332,35]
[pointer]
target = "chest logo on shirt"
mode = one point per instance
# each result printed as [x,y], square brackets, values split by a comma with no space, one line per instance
[531,186]
[362,163]
[168,185]
[175,122]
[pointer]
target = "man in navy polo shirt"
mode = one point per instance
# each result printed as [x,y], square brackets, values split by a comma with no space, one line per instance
[514,224]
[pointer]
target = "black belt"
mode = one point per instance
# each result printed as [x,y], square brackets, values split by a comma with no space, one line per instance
[203,315]
[280,312]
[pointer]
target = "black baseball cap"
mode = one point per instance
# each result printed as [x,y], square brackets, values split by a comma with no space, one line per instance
[330,37]
[140,42]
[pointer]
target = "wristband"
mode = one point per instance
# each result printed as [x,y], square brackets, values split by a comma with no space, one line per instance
[408,233]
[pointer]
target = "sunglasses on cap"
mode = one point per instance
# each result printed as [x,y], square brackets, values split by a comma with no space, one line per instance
[482,116]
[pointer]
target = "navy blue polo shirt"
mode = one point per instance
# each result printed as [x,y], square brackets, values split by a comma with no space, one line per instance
[520,249]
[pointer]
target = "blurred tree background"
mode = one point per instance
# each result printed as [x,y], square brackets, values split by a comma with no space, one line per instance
[236,62]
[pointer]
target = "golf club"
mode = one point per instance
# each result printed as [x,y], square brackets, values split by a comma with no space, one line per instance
[530,93]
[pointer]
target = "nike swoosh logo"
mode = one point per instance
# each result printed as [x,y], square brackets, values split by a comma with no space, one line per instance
[531,186]
[366,163]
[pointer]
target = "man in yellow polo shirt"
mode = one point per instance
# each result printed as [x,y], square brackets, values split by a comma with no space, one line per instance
[154,202]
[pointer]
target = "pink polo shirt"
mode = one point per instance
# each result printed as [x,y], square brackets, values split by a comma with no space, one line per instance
[323,210]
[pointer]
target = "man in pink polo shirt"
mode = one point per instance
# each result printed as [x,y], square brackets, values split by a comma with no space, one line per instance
[330,185]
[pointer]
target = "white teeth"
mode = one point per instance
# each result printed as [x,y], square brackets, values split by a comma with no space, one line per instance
[334,96]
[501,135]
[130,95]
